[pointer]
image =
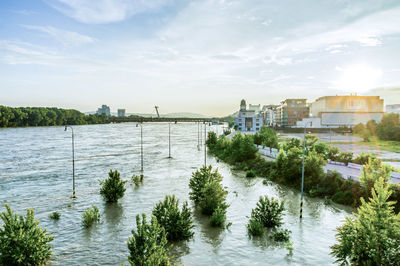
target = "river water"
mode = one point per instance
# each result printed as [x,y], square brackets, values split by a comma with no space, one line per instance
[36,172]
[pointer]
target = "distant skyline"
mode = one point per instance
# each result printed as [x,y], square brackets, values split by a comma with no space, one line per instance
[195,56]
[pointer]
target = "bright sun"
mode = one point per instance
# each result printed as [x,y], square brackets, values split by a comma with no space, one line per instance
[358,78]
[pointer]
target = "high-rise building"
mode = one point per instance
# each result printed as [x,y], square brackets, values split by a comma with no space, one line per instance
[104,110]
[121,112]
[290,111]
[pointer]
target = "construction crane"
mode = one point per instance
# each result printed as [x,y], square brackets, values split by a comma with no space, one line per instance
[158,115]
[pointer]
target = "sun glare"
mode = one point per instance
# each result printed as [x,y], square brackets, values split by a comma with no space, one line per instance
[359,78]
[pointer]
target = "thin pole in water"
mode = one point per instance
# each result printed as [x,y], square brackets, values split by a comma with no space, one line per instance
[302,172]
[169,139]
[73,161]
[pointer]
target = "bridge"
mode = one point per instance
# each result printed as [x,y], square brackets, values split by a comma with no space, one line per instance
[158,119]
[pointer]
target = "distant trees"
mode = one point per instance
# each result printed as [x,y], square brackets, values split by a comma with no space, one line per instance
[387,129]
[46,116]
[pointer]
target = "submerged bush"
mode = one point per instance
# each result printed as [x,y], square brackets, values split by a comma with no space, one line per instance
[214,196]
[199,180]
[268,211]
[55,216]
[90,216]
[112,188]
[148,244]
[250,173]
[22,241]
[137,180]
[218,217]
[281,236]
[255,227]
[177,223]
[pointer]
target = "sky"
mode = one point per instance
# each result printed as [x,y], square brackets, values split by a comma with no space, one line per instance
[195,56]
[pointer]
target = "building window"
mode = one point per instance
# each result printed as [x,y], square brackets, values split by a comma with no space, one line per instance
[257,128]
[257,124]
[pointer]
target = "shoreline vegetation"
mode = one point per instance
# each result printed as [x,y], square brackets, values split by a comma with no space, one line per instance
[241,153]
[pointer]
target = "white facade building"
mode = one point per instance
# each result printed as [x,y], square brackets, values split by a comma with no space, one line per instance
[249,120]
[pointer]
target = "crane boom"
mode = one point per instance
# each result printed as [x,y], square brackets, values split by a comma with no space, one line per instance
[158,115]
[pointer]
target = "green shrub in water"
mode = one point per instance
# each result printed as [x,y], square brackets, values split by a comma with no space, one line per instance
[90,216]
[255,227]
[199,180]
[112,188]
[22,241]
[137,180]
[55,216]
[148,244]
[268,211]
[218,218]
[250,173]
[177,223]
[281,236]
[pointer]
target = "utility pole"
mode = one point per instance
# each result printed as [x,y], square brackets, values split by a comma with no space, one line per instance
[141,149]
[169,139]
[205,144]
[302,171]
[73,161]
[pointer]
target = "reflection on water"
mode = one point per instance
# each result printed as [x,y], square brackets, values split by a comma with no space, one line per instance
[35,172]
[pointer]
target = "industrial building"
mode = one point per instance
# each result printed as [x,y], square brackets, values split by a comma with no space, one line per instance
[104,109]
[121,112]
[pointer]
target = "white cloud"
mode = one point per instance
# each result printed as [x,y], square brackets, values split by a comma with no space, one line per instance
[282,61]
[67,38]
[104,11]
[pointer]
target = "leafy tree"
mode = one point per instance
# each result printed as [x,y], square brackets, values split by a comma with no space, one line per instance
[372,172]
[211,140]
[371,127]
[268,212]
[373,236]
[113,187]
[359,128]
[22,241]
[364,158]
[218,217]
[333,153]
[213,196]
[255,227]
[389,127]
[148,244]
[177,223]
[199,180]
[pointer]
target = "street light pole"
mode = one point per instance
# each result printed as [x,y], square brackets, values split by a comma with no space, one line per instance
[169,139]
[198,135]
[73,161]
[205,144]
[141,149]
[302,170]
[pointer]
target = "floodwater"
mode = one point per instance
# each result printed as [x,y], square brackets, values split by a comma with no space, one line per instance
[36,172]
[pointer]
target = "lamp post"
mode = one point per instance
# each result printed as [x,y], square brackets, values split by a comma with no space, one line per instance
[141,149]
[169,140]
[302,170]
[205,144]
[73,161]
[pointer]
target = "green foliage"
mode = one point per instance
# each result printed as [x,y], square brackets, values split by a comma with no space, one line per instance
[255,227]
[373,236]
[198,181]
[22,241]
[359,128]
[90,216]
[345,198]
[345,157]
[363,158]
[281,236]
[177,223]
[250,173]
[373,171]
[218,217]
[44,116]
[148,244]
[208,194]
[291,143]
[55,216]
[112,188]
[266,137]
[213,197]
[389,127]
[211,140]
[268,212]
[137,180]
[333,153]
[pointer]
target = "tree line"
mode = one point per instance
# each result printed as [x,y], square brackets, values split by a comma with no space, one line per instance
[387,129]
[46,116]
